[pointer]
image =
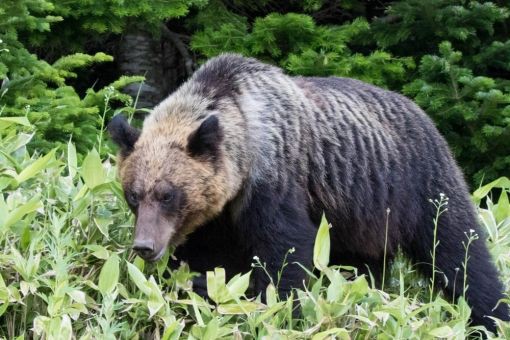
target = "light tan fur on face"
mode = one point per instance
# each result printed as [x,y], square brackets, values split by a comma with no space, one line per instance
[160,155]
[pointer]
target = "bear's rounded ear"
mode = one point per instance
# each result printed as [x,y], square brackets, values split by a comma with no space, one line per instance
[123,134]
[206,140]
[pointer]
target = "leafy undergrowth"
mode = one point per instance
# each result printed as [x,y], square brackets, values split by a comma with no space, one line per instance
[67,270]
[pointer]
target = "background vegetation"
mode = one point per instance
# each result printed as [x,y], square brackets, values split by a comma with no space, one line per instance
[66,67]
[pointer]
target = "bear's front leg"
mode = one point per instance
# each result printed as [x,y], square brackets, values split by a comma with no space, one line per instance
[278,229]
[210,246]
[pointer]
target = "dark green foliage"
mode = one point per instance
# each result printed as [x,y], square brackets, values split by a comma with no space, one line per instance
[463,80]
[37,89]
[297,43]
[473,111]
[94,21]
[415,27]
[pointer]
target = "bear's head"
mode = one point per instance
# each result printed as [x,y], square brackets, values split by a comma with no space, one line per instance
[173,178]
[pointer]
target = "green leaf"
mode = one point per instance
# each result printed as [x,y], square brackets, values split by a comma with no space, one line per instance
[173,330]
[271,295]
[8,121]
[442,332]
[103,224]
[333,333]
[98,251]
[154,305]
[238,285]
[72,162]
[109,276]
[502,209]
[322,246]
[138,278]
[65,329]
[216,288]
[502,182]
[19,212]
[242,307]
[78,296]
[92,170]
[34,168]
[211,330]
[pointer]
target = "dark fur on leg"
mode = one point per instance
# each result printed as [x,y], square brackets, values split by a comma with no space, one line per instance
[275,223]
[213,245]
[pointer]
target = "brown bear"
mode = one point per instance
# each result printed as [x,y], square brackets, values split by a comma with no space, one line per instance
[242,161]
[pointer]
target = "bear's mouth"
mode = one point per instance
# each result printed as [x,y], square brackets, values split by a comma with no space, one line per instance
[158,256]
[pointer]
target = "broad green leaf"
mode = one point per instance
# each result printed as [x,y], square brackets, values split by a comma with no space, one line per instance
[156,293]
[98,251]
[216,288]
[65,329]
[322,246]
[4,211]
[241,307]
[211,330]
[359,287]
[4,296]
[139,263]
[78,296]
[5,182]
[103,224]
[173,330]
[333,333]
[34,168]
[270,312]
[271,295]
[109,276]
[154,306]
[12,161]
[40,324]
[162,264]
[502,182]
[72,161]
[21,140]
[502,209]
[3,307]
[92,170]
[138,278]
[238,285]
[442,332]
[19,212]
[80,194]
[8,121]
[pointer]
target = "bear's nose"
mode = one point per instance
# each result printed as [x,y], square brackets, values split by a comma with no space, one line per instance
[144,248]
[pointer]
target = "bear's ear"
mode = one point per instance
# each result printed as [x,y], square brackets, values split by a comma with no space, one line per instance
[123,134]
[205,140]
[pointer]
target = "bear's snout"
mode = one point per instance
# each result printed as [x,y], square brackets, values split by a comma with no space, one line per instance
[144,248]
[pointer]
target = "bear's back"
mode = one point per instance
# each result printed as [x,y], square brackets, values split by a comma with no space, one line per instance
[371,150]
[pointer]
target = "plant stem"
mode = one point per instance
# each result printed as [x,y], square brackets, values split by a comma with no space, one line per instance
[385,248]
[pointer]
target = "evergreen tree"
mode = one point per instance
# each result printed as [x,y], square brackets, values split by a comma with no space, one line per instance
[296,43]
[463,80]
[37,89]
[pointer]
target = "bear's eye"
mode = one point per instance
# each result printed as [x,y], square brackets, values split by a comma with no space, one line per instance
[167,197]
[132,198]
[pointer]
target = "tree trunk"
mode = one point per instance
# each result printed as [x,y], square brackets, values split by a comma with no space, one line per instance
[164,62]
[140,54]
